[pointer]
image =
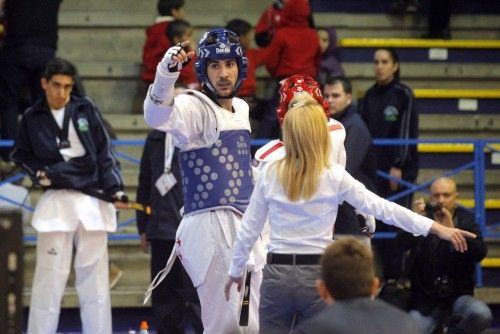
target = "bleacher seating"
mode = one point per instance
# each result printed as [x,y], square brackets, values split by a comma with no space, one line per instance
[104,39]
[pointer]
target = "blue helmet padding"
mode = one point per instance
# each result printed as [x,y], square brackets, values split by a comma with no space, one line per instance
[220,44]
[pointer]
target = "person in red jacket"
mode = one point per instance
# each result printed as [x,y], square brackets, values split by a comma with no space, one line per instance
[269,21]
[157,42]
[255,58]
[178,31]
[294,49]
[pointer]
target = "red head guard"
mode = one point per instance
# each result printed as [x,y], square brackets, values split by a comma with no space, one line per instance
[298,84]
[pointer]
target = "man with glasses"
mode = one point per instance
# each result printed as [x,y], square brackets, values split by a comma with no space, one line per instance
[212,130]
[63,146]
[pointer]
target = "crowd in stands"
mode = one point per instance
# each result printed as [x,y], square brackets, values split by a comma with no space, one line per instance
[285,43]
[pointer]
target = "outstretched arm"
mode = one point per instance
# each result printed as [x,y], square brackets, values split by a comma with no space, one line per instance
[391,213]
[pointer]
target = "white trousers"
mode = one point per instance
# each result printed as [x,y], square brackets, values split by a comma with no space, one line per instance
[218,315]
[54,251]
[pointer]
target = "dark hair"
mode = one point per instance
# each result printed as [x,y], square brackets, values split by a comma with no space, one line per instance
[176,28]
[239,26]
[165,7]
[343,81]
[347,269]
[395,59]
[59,66]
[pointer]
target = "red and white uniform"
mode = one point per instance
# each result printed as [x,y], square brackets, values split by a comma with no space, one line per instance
[275,149]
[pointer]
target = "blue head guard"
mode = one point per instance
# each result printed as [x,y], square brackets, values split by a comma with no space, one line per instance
[219,44]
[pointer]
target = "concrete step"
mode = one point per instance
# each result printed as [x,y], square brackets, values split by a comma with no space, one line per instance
[111,6]
[430,71]
[117,89]
[103,44]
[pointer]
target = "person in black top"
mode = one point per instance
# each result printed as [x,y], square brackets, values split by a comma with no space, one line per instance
[30,42]
[360,161]
[63,146]
[389,112]
[160,188]
[442,280]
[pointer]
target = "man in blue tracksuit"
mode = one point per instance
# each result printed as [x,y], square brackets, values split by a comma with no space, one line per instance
[63,146]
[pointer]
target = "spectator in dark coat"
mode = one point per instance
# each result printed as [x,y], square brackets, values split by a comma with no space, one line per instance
[389,112]
[159,187]
[442,280]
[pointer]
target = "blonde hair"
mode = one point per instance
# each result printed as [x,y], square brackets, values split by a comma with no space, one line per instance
[307,146]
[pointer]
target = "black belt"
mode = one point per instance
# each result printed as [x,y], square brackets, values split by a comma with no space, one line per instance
[293,259]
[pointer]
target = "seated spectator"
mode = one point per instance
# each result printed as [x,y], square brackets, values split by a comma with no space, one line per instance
[348,286]
[442,280]
[177,31]
[255,58]
[330,58]
[157,42]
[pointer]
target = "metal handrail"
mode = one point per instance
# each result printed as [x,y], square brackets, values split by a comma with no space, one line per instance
[481,146]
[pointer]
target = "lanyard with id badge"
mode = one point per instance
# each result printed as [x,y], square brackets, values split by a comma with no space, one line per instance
[167,180]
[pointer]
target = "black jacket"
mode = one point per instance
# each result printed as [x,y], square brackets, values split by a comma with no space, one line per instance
[360,163]
[359,316]
[389,112]
[436,258]
[36,148]
[165,216]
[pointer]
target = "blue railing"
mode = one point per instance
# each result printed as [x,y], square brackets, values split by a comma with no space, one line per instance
[477,164]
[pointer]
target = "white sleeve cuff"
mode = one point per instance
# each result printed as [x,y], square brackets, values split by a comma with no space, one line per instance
[161,92]
[235,271]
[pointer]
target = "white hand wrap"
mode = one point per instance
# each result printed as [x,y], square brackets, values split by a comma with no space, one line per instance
[168,64]
[369,221]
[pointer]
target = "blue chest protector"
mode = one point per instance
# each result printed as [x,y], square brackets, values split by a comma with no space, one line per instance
[219,176]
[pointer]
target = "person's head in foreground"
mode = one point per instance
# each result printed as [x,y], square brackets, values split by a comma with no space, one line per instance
[347,271]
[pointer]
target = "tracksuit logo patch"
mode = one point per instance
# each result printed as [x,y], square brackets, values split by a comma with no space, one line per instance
[83,125]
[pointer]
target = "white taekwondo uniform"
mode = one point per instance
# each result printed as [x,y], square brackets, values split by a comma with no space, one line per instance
[214,147]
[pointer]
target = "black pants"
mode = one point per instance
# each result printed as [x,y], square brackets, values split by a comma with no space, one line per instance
[20,71]
[439,17]
[175,299]
[390,256]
